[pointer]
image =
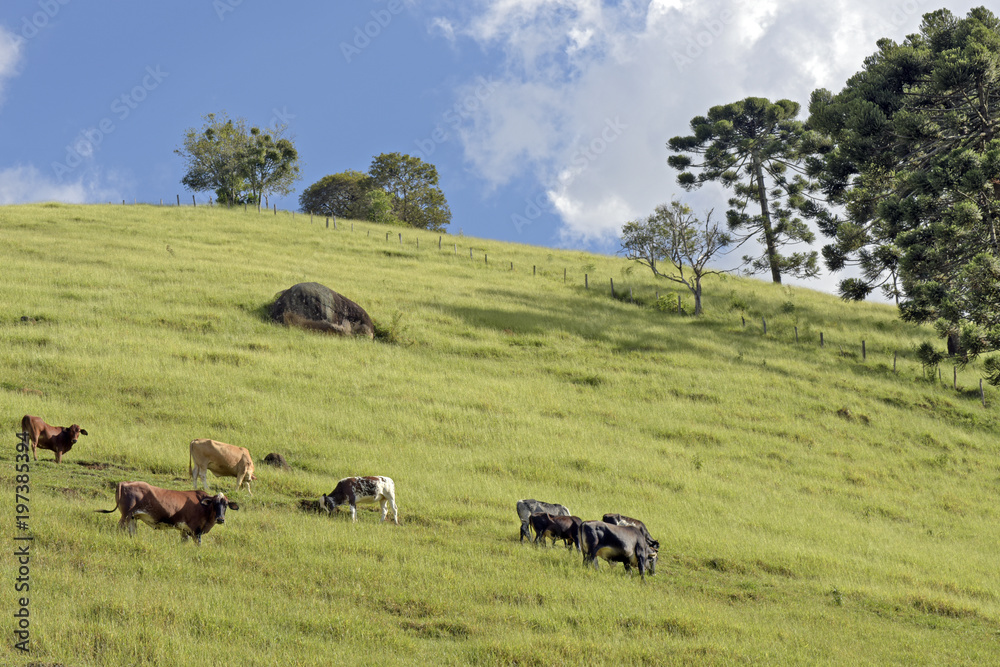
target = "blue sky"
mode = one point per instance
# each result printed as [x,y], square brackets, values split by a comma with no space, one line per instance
[547,119]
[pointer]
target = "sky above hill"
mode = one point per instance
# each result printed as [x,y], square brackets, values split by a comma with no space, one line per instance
[546,119]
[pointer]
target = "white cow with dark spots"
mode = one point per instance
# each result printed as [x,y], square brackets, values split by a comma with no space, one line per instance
[354,490]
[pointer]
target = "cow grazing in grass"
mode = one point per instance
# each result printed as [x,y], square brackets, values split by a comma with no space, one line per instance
[223,460]
[354,490]
[565,528]
[616,544]
[621,520]
[191,512]
[59,439]
[527,507]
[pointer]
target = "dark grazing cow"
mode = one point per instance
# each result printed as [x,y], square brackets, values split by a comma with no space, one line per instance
[191,512]
[527,507]
[616,544]
[59,439]
[620,520]
[565,528]
[354,490]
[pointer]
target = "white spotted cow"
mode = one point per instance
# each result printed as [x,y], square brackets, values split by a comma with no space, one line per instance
[354,490]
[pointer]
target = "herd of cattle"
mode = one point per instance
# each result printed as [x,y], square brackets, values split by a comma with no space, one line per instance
[615,538]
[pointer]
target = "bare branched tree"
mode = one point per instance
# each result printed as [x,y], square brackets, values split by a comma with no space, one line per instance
[674,235]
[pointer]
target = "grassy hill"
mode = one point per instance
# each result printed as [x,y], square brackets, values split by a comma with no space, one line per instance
[813,506]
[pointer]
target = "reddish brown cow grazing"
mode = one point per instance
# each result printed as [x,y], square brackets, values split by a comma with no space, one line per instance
[191,512]
[60,439]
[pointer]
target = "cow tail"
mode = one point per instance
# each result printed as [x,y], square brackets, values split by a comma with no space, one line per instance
[107,511]
[189,463]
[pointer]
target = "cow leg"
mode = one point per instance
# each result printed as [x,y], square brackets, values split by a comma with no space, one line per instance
[524,531]
[194,478]
[58,453]
[354,513]
[204,480]
[395,512]
[34,444]
[384,503]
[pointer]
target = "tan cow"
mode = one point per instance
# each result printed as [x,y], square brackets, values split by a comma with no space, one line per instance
[222,459]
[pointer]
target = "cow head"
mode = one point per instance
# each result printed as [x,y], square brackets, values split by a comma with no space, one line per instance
[219,503]
[327,504]
[75,432]
[651,562]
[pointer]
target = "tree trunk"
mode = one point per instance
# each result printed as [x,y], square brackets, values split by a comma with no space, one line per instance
[697,296]
[765,214]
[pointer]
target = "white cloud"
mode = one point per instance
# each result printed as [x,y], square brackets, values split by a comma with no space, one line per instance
[25,184]
[10,56]
[568,66]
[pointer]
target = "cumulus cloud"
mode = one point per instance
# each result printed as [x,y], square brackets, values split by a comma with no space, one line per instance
[10,57]
[25,184]
[571,68]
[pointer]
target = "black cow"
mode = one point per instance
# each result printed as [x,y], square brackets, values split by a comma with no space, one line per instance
[565,528]
[616,544]
[527,507]
[621,520]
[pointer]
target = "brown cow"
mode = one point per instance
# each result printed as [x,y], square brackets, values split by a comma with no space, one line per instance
[59,439]
[191,512]
[565,528]
[222,459]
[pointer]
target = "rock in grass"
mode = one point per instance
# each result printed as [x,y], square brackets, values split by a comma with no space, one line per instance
[315,306]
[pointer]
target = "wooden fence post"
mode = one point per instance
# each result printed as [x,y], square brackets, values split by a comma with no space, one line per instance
[612,288]
[512,266]
[821,339]
[765,325]
[193,202]
[533,267]
[894,355]
[401,238]
[864,354]
[586,281]
[178,200]
[276,209]
[439,243]
[744,320]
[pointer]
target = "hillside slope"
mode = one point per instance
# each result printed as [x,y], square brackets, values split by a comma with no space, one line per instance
[812,506]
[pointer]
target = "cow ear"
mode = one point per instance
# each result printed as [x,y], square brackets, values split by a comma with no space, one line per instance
[233,506]
[83,432]
[207,501]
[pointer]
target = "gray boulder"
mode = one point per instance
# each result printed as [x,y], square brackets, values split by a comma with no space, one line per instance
[315,306]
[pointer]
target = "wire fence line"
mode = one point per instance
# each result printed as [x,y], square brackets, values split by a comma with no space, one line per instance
[661,303]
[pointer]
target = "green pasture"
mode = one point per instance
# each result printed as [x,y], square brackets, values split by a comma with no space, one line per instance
[812,506]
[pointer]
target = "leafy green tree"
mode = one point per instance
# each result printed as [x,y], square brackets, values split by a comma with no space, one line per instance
[240,163]
[915,160]
[343,195]
[270,163]
[413,187]
[212,156]
[753,147]
[379,205]
[673,234]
